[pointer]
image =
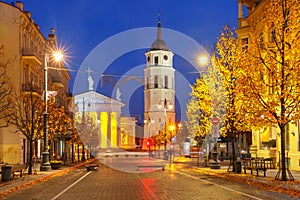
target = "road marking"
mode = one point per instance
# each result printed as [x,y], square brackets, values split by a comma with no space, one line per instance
[70,186]
[221,186]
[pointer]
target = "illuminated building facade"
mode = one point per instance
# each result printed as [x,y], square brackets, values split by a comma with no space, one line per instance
[105,114]
[22,50]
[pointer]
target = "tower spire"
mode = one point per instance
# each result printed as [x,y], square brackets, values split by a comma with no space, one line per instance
[159,36]
[159,44]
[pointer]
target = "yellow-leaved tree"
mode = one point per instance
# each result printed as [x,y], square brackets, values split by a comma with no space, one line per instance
[229,62]
[199,111]
[271,84]
[59,127]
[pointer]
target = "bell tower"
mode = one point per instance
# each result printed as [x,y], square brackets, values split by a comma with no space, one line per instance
[159,90]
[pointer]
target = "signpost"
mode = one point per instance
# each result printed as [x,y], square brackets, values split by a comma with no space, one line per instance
[215,122]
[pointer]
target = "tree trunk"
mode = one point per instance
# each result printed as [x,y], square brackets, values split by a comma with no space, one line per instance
[283,161]
[233,153]
[83,154]
[72,152]
[30,157]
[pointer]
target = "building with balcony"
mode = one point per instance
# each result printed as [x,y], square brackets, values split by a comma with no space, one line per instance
[23,48]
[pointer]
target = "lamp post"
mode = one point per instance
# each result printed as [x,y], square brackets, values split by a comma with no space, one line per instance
[84,128]
[172,127]
[45,161]
[170,106]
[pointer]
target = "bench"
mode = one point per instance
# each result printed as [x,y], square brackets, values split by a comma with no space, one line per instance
[155,165]
[270,163]
[18,172]
[92,167]
[257,164]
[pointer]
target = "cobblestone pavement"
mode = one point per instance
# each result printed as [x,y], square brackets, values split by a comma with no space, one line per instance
[173,183]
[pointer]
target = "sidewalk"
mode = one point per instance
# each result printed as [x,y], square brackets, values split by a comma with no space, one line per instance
[39,176]
[268,182]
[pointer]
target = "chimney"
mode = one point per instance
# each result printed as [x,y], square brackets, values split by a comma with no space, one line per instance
[20,5]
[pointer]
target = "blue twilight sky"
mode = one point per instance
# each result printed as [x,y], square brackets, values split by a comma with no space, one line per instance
[81,25]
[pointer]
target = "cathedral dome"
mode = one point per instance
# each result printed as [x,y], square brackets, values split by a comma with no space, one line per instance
[159,44]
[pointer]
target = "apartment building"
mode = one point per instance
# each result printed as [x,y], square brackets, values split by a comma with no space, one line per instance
[23,48]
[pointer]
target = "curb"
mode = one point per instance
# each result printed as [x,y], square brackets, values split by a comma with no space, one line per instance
[41,179]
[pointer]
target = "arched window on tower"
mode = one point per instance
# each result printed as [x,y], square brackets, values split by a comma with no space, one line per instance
[155,81]
[156,60]
[166,82]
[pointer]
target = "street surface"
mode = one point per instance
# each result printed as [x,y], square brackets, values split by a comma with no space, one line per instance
[108,183]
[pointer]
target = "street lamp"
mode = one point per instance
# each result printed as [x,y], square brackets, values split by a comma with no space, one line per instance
[203,60]
[45,161]
[165,106]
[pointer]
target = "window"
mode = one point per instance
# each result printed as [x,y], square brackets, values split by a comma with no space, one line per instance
[166,82]
[25,74]
[155,81]
[245,43]
[156,60]
[273,36]
[268,139]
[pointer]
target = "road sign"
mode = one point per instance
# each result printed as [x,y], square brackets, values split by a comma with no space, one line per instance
[215,121]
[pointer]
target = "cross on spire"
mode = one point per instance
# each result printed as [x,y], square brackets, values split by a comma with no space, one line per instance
[158,14]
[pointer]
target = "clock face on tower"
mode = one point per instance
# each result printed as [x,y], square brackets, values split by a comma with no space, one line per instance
[165,57]
[148,58]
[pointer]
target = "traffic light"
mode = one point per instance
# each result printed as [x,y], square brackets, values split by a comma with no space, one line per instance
[149,143]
